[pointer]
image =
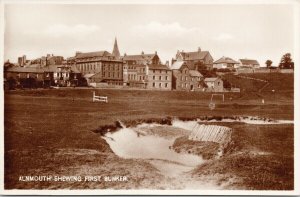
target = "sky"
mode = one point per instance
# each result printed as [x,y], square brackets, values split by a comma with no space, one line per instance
[258,32]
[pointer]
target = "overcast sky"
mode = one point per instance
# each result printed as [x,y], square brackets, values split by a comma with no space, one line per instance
[238,31]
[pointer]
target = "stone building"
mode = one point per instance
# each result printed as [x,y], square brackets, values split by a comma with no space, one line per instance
[214,84]
[104,64]
[196,60]
[249,63]
[185,79]
[159,77]
[225,63]
[134,69]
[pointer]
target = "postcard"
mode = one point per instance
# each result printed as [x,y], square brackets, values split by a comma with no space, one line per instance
[150,97]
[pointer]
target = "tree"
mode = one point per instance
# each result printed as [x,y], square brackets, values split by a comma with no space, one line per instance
[269,63]
[226,84]
[286,61]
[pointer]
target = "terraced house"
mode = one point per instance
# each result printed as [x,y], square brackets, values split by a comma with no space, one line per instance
[134,70]
[159,77]
[185,79]
[34,76]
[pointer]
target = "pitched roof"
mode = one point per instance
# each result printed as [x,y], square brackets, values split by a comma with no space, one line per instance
[74,69]
[142,57]
[212,79]
[249,61]
[177,65]
[88,75]
[226,60]
[195,73]
[93,54]
[33,66]
[197,55]
[158,67]
[54,68]
[25,69]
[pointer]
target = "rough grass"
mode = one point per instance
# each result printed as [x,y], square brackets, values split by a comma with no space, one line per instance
[207,150]
[262,158]
[278,82]
[38,123]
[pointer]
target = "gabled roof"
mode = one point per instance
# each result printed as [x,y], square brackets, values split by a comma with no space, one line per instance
[25,69]
[197,55]
[177,65]
[93,54]
[158,67]
[88,75]
[249,62]
[226,60]
[142,57]
[195,73]
[212,79]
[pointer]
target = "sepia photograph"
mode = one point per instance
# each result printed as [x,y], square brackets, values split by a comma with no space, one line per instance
[126,97]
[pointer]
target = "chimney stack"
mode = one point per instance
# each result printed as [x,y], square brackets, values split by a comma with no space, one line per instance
[142,53]
[155,52]
[167,63]
[199,49]
[125,54]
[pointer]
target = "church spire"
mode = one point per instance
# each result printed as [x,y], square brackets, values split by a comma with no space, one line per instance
[116,51]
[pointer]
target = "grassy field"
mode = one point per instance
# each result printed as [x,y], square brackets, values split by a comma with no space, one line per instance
[278,82]
[51,131]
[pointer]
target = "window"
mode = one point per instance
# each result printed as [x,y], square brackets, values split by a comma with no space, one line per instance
[186,78]
[153,77]
[153,84]
[182,85]
[166,85]
[160,85]
[159,77]
[192,79]
[182,78]
[186,85]
[166,77]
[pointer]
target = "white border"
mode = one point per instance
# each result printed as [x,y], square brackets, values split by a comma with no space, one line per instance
[296,53]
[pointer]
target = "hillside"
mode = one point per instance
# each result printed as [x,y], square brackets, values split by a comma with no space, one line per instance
[277,81]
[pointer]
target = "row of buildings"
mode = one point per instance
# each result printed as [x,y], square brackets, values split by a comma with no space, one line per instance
[105,69]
